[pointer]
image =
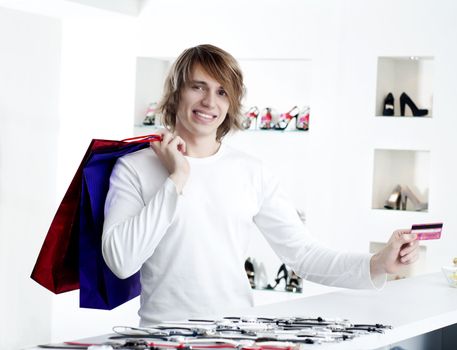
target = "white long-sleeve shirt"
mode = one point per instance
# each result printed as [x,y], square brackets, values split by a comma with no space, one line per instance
[190,248]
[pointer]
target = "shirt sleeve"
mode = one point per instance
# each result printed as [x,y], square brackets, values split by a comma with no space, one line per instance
[132,229]
[280,224]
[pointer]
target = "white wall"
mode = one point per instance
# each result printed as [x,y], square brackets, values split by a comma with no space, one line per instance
[390,28]
[98,71]
[343,39]
[63,82]
[29,88]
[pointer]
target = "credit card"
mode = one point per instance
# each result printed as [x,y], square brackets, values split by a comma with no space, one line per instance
[427,231]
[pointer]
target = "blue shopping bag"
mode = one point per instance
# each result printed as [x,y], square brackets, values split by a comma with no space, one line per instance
[99,287]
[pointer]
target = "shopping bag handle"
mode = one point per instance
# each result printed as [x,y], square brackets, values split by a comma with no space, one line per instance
[144,139]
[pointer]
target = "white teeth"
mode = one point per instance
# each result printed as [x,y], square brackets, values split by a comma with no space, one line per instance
[203,115]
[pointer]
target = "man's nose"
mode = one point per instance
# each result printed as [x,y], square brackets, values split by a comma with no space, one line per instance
[209,99]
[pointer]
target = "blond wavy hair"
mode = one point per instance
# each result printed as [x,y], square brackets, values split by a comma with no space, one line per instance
[222,67]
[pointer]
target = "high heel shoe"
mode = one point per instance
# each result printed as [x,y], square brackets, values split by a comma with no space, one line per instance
[394,200]
[406,100]
[151,114]
[249,117]
[249,268]
[407,194]
[266,119]
[303,119]
[282,274]
[388,109]
[285,118]
[260,277]
[294,283]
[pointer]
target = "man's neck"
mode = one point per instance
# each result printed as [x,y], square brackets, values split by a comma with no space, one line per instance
[201,147]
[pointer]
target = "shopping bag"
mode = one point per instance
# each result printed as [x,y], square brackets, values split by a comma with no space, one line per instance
[99,287]
[56,267]
[73,244]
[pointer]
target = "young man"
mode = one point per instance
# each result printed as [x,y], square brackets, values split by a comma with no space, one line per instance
[179,211]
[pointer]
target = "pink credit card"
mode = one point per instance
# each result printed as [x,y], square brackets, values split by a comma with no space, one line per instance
[427,231]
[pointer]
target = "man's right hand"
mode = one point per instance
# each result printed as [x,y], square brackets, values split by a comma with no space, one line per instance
[171,152]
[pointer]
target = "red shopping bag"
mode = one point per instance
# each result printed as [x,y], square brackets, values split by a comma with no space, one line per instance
[57,265]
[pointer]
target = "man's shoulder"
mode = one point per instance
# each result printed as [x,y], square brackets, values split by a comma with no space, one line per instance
[143,161]
[139,156]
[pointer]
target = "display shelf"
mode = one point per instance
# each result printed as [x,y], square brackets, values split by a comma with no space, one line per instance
[279,84]
[403,133]
[140,129]
[264,297]
[408,169]
[278,290]
[150,76]
[412,75]
[260,131]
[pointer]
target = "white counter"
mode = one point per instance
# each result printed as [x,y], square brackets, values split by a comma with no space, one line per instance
[413,307]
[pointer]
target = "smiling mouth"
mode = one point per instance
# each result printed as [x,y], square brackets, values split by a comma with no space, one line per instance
[204,116]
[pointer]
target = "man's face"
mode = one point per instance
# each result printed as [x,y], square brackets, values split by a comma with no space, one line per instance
[203,106]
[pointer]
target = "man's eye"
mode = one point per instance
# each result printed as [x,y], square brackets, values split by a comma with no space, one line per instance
[197,87]
[222,93]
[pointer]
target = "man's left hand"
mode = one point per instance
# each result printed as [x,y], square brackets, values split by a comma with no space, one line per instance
[400,250]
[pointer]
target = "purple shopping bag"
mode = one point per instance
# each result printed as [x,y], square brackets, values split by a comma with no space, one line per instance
[71,257]
[99,288]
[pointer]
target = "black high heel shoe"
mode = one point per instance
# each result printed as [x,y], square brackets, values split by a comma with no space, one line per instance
[388,109]
[294,283]
[406,100]
[282,273]
[249,267]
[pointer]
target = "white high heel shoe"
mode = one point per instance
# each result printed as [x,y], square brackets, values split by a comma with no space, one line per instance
[407,194]
[261,278]
[394,200]
[151,117]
